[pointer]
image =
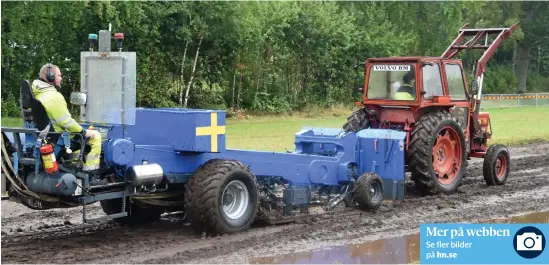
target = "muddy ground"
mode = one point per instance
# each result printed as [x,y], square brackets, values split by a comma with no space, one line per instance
[172,241]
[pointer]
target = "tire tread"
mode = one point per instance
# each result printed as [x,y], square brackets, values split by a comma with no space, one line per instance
[420,151]
[202,196]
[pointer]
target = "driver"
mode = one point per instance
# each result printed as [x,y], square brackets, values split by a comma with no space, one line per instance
[408,89]
[44,90]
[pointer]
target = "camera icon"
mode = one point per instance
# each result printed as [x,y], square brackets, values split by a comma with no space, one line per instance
[529,242]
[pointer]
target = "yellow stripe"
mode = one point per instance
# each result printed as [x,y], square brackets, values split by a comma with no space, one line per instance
[213,130]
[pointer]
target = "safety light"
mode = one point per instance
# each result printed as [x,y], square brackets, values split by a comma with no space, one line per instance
[93,40]
[119,37]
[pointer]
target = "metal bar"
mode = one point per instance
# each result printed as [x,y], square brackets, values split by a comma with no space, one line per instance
[17,139]
[463,47]
[103,196]
[475,39]
[108,217]
[19,130]
[449,53]
[86,85]
[122,112]
[26,161]
[107,185]
[493,46]
[4,190]
[492,30]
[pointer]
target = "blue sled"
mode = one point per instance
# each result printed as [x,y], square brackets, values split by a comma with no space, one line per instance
[177,160]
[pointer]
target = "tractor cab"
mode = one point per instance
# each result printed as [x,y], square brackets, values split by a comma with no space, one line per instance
[413,81]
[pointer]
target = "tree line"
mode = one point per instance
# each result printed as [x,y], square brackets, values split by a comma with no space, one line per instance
[264,56]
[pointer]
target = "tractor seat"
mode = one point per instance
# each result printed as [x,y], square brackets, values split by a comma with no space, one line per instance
[34,111]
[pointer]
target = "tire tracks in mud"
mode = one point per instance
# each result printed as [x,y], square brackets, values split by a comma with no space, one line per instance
[168,241]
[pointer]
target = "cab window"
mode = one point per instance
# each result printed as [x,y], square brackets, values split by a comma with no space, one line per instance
[456,87]
[432,82]
[392,82]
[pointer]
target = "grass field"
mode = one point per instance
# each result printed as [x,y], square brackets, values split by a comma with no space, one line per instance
[276,133]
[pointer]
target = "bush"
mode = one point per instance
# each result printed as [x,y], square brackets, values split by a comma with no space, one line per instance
[10,108]
[537,84]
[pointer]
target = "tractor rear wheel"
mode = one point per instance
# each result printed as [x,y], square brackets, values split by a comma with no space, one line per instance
[496,165]
[357,121]
[437,154]
[368,191]
[222,197]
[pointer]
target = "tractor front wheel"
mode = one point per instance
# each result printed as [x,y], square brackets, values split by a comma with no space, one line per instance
[496,165]
[437,155]
[222,197]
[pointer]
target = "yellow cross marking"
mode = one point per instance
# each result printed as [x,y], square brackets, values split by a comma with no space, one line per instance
[213,130]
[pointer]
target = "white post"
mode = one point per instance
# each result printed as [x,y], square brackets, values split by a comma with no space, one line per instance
[479,81]
[537,98]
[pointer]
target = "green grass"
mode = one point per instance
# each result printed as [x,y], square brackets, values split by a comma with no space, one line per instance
[276,133]
[273,133]
[12,122]
[513,126]
[510,126]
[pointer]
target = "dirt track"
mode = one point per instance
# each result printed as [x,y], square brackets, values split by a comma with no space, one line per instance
[171,241]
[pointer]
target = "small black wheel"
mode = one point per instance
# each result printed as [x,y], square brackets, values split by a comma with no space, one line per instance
[368,191]
[137,213]
[496,165]
[222,197]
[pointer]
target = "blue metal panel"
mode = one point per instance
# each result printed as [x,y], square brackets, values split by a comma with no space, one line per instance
[382,151]
[297,168]
[187,130]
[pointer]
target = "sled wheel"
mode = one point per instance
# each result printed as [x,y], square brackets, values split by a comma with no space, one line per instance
[496,165]
[368,191]
[356,122]
[222,197]
[137,213]
[437,156]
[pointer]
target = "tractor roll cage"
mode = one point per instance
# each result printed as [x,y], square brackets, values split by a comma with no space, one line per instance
[489,48]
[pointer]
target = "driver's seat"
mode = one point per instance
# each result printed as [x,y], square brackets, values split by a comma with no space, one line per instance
[34,112]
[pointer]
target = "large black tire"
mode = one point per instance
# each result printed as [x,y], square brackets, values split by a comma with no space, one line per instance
[137,213]
[204,197]
[368,191]
[357,121]
[496,165]
[450,154]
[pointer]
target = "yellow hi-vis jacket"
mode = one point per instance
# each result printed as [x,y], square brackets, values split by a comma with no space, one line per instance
[56,107]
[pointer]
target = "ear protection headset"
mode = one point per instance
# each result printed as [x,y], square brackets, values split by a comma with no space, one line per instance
[50,76]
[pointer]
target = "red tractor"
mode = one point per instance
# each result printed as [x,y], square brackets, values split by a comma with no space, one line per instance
[428,97]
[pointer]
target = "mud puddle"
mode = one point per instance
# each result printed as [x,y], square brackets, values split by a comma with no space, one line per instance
[397,250]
